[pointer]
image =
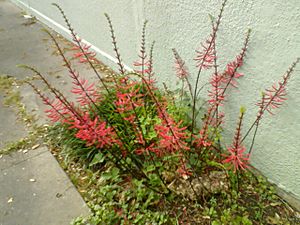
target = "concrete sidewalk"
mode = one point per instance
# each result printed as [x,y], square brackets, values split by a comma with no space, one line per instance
[34,190]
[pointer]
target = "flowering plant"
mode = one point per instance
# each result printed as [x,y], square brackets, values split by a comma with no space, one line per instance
[143,130]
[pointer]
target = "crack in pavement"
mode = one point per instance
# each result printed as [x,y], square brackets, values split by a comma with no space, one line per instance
[23,160]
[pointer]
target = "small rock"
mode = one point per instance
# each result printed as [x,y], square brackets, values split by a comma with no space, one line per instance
[32,180]
[63,82]
[215,182]
[25,151]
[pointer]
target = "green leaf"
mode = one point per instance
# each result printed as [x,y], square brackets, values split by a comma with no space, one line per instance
[98,158]
[216,223]
[215,164]
[150,168]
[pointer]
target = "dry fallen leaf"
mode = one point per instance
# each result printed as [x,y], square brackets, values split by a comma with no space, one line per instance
[58,195]
[206,217]
[35,146]
[275,204]
[27,16]
[10,200]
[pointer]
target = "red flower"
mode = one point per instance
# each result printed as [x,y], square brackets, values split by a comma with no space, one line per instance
[230,75]
[57,111]
[216,93]
[180,67]
[172,138]
[202,142]
[128,97]
[275,96]
[184,171]
[237,158]
[87,92]
[94,132]
[87,52]
[144,66]
[206,56]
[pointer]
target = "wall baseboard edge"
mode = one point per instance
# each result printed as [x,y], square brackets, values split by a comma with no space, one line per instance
[108,59]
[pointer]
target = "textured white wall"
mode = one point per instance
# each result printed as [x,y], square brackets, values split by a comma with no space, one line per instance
[274,44]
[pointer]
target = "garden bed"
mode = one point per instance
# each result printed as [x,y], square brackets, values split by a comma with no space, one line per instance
[140,154]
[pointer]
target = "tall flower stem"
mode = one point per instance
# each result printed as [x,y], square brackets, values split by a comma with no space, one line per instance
[78,43]
[213,36]
[182,71]
[274,96]
[232,75]
[118,56]
[150,68]
[45,99]
[54,91]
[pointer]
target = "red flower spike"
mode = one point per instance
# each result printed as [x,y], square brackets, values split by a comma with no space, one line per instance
[202,140]
[180,67]
[275,96]
[86,48]
[143,65]
[58,110]
[216,93]
[87,92]
[147,150]
[94,132]
[205,57]
[236,156]
[230,75]
[125,102]
[182,71]
[172,138]
[150,81]
[55,112]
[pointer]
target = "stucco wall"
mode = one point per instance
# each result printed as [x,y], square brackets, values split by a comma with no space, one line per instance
[275,43]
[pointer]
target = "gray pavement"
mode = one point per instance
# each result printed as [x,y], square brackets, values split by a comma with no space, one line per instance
[34,190]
